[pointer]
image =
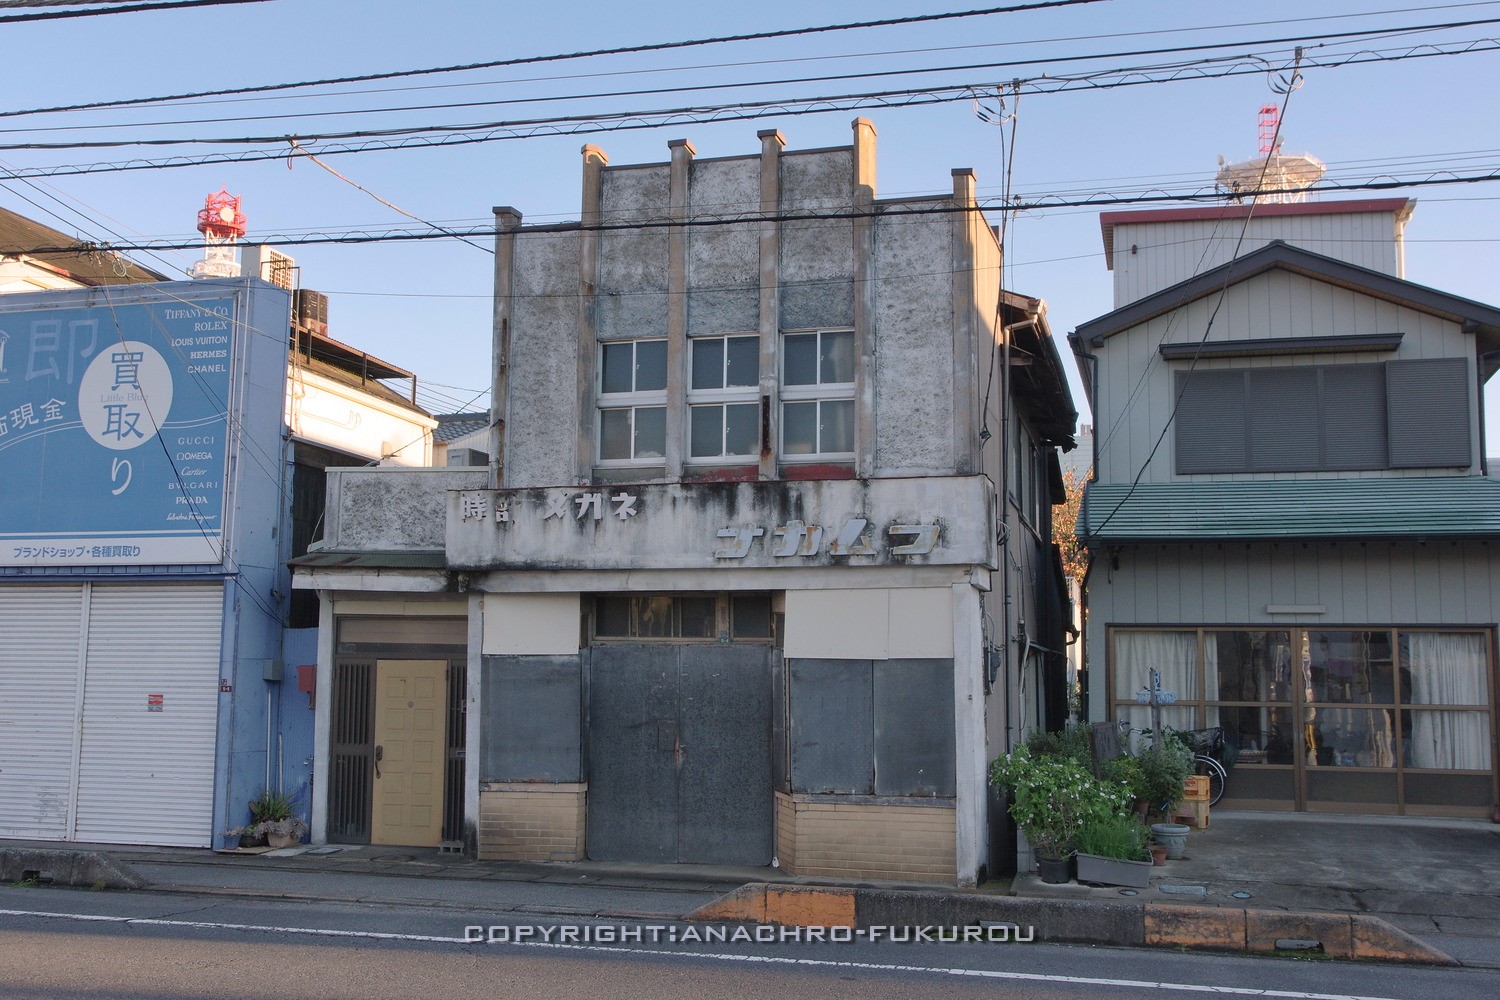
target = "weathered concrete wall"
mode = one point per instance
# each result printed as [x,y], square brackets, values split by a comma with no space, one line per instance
[846,523]
[817,256]
[392,509]
[541,428]
[723,262]
[632,299]
[914,345]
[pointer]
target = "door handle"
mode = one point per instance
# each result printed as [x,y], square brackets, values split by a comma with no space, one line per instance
[379,755]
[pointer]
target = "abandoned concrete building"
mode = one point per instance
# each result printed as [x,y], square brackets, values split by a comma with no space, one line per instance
[761,570]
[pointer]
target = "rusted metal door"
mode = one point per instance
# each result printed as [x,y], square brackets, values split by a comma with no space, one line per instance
[680,753]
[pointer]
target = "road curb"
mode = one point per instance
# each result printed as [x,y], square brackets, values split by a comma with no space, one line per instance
[1162,925]
[54,866]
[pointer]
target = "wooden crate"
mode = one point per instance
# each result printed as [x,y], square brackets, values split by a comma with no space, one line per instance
[1195,787]
[1193,812]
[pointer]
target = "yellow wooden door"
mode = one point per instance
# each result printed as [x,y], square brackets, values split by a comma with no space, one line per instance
[410,747]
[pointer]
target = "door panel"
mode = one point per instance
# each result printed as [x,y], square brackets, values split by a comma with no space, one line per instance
[410,744]
[680,753]
[632,798]
[725,804]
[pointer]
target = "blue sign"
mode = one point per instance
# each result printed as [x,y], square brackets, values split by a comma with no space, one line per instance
[114,433]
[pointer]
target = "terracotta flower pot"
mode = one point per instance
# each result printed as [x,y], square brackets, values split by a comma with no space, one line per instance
[1159,854]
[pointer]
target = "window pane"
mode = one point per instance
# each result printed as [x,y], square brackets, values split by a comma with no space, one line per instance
[1247,666]
[617,368]
[1260,735]
[653,617]
[708,363]
[838,425]
[801,359]
[838,357]
[612,616]
[1351,737]
[650,365]
[799,428]
[1350,667]
[697,617]
[1173,654]
[742,436]
[1443,669]
[650,431]
[707,431]
[614,434]
[751,614]
[744,361]
[1454,741]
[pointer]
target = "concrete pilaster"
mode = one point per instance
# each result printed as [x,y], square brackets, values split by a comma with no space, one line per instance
[864,297]
[677,303]
[594,162]
[507,221]
[772,142]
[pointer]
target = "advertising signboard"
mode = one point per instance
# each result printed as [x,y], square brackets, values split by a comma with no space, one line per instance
[114,432]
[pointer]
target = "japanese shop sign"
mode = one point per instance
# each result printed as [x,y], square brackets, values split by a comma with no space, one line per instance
[114,433]
[760,524]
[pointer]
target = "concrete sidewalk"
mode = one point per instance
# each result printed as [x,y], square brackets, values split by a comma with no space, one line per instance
[1249,879]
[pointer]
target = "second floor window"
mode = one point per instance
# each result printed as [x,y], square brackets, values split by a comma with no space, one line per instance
[817,394]
[632,402]
[722,401]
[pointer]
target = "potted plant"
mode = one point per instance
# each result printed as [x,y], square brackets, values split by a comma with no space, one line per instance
[1112,851]
[282,832]
[1051,798]
[1164,766]
[1126,773]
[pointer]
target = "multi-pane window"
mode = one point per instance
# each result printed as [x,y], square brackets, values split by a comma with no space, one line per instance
[817,393]
[683,616]
[633,401]
[724,414]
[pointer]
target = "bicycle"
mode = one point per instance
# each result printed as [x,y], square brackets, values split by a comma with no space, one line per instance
[1208,753]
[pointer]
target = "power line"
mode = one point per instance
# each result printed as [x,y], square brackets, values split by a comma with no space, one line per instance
[131,9]
[899,98]
[560,57]
[756,218]
[873,74]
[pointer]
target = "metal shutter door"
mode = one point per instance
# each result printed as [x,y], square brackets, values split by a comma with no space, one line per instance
[1427,404]
[147,777]
[39,639]
[1210,422]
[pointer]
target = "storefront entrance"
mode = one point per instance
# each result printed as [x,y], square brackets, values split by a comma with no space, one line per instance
[1368,720]
[679,738]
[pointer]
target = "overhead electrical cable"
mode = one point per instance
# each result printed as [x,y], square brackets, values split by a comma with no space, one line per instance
[53,15]
[996,67]
[635,121]
[560,57]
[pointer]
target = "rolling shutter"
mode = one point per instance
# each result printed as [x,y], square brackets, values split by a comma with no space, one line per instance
[150,707]
[1428,413]
[39,638]
[1354,406]
[1283,419]
[1210,422]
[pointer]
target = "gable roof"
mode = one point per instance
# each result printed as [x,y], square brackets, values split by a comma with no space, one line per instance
[1476,317]
[20,237]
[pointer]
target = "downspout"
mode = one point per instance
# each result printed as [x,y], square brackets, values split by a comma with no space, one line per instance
[1484,461]
[1032,316]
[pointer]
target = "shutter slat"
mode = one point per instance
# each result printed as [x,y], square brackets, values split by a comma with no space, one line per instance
[1427,405]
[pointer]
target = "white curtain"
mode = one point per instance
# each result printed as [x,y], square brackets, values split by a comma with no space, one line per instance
[1211,678]
[1448,669]
[1175,655]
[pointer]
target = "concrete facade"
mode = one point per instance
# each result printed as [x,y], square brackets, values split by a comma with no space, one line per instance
[735,550]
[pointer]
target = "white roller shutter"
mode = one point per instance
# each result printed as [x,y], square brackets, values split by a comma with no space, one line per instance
[146,776]
[40,628]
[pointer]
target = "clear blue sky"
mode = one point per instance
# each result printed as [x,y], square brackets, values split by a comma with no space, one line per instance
[426,306]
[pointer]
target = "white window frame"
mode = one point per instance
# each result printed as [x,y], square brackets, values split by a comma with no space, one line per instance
[722,397]
[631,401]
[820,392]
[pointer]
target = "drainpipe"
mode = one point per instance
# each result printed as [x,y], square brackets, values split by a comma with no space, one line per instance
[1484,460]
[1032,315]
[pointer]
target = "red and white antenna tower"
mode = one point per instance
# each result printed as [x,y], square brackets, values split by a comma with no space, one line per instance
[1288,177]
[222,224]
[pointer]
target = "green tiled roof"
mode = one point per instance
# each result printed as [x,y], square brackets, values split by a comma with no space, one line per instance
[1408,507]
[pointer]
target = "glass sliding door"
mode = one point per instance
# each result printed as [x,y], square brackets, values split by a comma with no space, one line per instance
[1327,719]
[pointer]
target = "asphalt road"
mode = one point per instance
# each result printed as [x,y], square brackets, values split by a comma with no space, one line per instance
[57,943]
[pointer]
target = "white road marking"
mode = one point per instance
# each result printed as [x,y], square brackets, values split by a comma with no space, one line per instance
[1034,977]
